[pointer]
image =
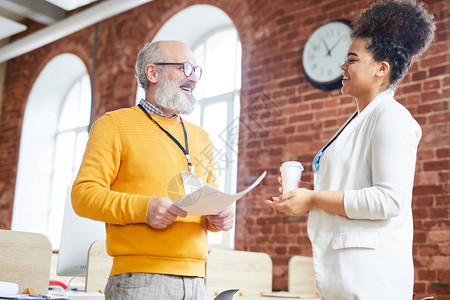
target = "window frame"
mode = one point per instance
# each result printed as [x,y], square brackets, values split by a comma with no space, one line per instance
[78,130]
[232,99]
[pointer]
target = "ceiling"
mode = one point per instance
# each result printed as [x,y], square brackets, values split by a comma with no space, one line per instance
[53,14]
[47,12]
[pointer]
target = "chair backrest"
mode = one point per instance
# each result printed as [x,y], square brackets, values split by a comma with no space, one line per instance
[25,260]
[301,278]
[250,272]
[99,265]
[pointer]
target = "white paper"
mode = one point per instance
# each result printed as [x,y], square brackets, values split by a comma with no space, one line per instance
[210,201]
[8,287]
[27,296]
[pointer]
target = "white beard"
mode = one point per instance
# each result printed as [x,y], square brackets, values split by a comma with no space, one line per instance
[168,95]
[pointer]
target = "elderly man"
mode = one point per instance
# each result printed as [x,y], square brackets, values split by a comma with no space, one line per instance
[135,159]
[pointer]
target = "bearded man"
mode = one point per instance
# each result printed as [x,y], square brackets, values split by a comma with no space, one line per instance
[135,159]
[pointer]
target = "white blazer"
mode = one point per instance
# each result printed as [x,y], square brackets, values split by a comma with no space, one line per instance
[369,254]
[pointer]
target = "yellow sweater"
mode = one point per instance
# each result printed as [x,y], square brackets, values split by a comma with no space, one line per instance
[128,160]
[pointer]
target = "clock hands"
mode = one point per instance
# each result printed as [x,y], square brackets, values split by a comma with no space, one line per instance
[326,46]
[332,47]
[335,44]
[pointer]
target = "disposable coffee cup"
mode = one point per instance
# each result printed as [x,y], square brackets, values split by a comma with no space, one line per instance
[291,173]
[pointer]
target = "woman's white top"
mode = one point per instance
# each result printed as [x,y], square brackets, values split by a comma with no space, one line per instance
[369,254]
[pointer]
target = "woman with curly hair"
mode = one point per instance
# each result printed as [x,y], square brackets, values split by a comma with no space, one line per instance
[360,218]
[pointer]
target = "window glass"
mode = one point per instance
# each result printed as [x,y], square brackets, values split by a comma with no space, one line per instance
[84,100]
[194,117]
[215,122]
[52,142]
[140,94]
[200,57]
[71,140]
[64,150]
[80,145]
[215,238]
[56,211]
[68,117]
[219,55]
[220,63]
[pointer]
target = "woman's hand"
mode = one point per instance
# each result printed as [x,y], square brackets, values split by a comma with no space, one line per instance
[300,184]
[300,201]
[297,202]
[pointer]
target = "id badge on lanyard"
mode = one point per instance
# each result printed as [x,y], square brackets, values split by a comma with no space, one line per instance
[191,182]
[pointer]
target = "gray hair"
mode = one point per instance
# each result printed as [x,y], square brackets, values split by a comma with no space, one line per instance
[149,54]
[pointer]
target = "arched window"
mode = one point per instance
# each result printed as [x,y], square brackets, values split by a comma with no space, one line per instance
[54,135]
[218,108]
[218,99]
[71,138]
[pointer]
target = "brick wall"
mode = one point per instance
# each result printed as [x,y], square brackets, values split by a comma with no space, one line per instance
[300,121]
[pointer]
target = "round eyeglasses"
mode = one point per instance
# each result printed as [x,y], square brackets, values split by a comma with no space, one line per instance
[188,69]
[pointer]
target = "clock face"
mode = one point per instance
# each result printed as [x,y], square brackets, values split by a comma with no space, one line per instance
[325,52]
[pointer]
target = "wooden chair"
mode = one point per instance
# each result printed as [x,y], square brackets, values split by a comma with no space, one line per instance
[301,278]
[25,260]
[250,272]
[99,265]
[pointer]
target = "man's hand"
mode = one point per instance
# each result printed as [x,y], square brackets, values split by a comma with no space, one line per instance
[161,212]
[223,220]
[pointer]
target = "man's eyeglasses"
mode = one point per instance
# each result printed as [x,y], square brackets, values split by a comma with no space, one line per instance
[188,69]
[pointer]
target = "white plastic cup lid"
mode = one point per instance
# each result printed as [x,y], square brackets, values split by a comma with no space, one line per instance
[292,164]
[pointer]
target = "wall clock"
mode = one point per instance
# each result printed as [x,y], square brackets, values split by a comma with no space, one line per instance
[324,53]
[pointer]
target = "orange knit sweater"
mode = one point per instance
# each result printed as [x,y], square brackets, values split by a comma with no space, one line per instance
[128,160]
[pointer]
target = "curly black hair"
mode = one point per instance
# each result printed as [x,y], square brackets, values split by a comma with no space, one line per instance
[396,32]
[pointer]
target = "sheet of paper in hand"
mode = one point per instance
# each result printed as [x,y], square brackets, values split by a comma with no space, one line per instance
[208,200]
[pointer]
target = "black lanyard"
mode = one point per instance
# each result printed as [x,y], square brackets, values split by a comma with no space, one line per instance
[340,131]
[185,151]
[319,155]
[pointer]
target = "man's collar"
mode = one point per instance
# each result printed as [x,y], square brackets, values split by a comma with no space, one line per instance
[154,109]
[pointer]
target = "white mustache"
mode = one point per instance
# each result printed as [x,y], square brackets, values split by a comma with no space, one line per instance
[188,83]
